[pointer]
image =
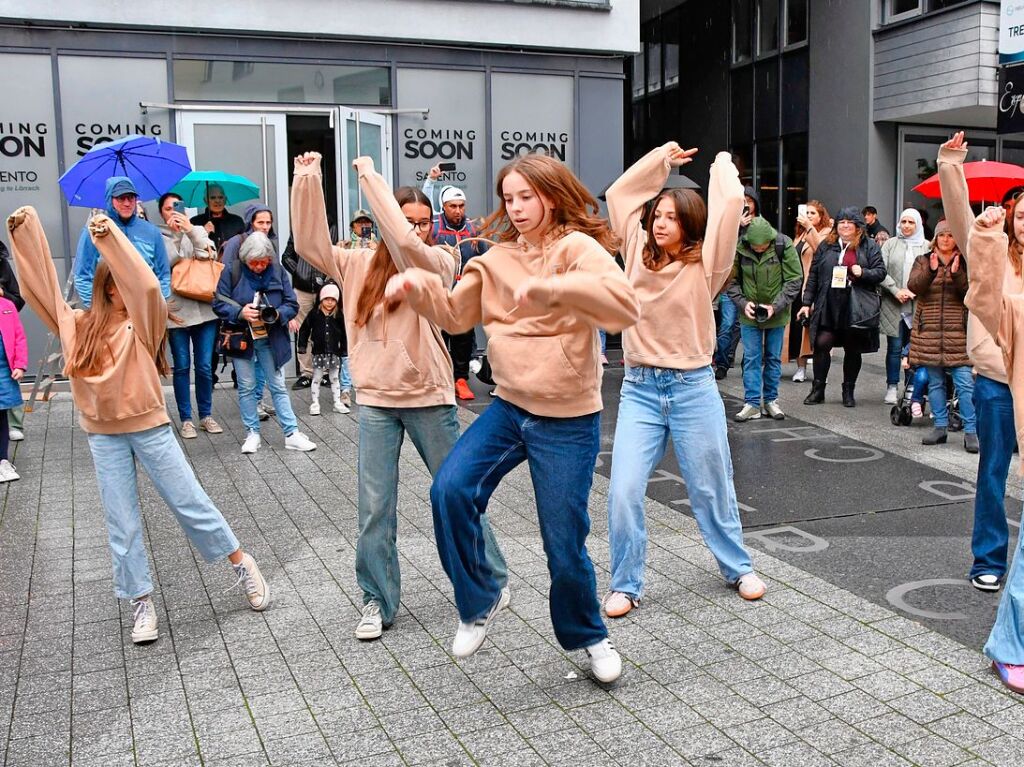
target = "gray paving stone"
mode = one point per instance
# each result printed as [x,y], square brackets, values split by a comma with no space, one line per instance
[933,751]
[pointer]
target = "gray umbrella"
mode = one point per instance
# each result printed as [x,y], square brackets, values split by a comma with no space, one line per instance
[674,181]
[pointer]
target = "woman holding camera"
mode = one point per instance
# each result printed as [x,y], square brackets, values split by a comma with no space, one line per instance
[841,299]
[254,293]
[192,336]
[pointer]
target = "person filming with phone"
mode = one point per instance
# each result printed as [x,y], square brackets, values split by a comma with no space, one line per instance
[452,227]
[766,278]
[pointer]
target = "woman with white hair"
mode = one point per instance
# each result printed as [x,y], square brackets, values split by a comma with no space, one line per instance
[254,296]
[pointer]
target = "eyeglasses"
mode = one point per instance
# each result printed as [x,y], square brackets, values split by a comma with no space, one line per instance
[421,225]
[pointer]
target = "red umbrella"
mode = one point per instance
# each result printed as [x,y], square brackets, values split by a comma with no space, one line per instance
[987,180]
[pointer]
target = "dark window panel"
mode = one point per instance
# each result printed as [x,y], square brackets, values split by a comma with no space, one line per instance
[796,21]
[742,30]
[767,177]
[794,180]
[795,92]
[767,27]
[742,105]
[766,99]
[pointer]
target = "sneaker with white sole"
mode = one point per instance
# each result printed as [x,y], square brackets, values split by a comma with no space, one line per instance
[616,604]
[370,625]
[987,582]
[341,407]
[257,590]
[773,411]
[299,441]
[800,375]
[748,413]
[891,395]
[605,663]
[210,426]
[346,397]
[15,435]
[751,587]
[188,430]
[144,613]
[314,408]
[7,471]
[252,442]
[469,636]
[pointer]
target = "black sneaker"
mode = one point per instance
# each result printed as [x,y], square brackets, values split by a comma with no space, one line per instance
[721,373]
[987,582]
[302,382]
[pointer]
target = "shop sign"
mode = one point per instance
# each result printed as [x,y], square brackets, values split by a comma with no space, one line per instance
[1011,32]
[1010,116]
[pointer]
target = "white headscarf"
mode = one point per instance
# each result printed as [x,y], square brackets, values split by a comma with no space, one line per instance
[917,238]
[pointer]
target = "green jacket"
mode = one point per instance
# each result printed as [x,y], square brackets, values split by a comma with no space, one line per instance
[765,278]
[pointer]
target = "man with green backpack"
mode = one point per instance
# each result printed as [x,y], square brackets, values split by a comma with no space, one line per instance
[766,278]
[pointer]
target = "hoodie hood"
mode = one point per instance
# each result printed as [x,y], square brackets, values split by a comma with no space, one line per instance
[749,191]
[760,232]
[250,214]
[116,186]
[852,213]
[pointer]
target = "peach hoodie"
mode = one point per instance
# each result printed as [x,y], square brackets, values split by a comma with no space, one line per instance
[981,348]
[545,360]
[397,359]
[677,324]
[999,312]
[127,396]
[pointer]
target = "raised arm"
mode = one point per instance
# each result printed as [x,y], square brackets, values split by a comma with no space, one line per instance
[985,299]
[310,234]
[40,286]
[406,248]
[631,191]
[725,206]
[956,204]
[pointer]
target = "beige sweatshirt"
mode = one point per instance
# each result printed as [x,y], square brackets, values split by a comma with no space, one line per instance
[677,324]
[998,311]
[545,360]
[398,359]
[981,348]
[127,396]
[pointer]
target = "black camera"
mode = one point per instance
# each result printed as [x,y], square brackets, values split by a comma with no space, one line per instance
[366,231]
[761,313]
[269,315]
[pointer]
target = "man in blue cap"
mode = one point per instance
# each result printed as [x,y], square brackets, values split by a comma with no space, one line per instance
[122,207]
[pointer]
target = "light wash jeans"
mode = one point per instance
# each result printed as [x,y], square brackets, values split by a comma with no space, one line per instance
[346,376]
[433,431]
[250,392]
[163,460]
[1006,641]
[964,383]
[762,363]
[657,405]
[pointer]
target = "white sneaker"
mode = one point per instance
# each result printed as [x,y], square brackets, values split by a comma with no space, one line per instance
[7,471]
[891,395]
[16,435]
[299,441]
[605,663]
[470,636]
[475,365]
[346,397]
[314,408]
[748,413]
[144,630]
[257,590]
[370,625]
[341,407]
[252,442]
[800,375]
[772,410]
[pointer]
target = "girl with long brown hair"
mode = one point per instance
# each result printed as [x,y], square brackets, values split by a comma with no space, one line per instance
[811,228]
[540,293]
[114,354]
[678,259]
[400,367]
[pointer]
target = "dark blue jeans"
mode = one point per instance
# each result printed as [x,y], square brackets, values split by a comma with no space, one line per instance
[728,333]
[201,338]
[996,438]
[561,453]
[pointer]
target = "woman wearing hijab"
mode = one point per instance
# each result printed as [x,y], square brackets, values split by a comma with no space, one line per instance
[899,253]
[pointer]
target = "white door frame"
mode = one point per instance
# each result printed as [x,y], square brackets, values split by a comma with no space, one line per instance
[347,154]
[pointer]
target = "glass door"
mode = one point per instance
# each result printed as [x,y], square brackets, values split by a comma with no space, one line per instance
[250,144]
[360,132]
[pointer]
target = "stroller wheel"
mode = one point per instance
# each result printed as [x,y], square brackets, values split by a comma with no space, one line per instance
[906,417]
[894,415]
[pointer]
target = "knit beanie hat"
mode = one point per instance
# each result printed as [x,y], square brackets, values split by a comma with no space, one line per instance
[942,228]
[850,213]
[330,290]
[759,232]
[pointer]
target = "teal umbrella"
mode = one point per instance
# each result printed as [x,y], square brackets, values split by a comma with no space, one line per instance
[192,189]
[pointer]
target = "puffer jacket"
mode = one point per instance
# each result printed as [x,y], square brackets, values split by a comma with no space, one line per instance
[938,337]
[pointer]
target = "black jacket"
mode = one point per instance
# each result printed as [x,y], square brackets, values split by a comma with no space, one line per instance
[819,278]
[224,228]
[326,331]
[305,277]
[8,280]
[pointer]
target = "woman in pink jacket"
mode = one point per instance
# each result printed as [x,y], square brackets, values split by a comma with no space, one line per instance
[13,362]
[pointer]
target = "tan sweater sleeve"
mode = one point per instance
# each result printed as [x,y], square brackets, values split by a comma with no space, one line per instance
[406,248]
[596,289]
[138,285]
[312,237]
[725,207]
[455,311]
[956,205]
[38,277]
[628,195]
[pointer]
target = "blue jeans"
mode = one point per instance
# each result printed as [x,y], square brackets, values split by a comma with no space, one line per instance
[1006,641]
[728,333]
[996,438]
[190,345]
[964,383]
[561,453]
[163,460]
[603,336]
[346,376]
[433,431]
[920,384]
[250,391]
[762,363]
[893,352]
[684,406]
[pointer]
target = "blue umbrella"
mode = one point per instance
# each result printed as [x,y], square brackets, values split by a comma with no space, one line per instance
[193,188]
[154,166]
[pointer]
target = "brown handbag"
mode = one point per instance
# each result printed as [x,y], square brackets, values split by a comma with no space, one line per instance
[196,278]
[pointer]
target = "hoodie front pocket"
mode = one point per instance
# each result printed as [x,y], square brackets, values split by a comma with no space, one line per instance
[535,366]
[385,366]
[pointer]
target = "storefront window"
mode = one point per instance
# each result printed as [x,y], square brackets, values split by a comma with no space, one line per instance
[794,180]
[767,27]
[638,73]
[742,23]
[275,83]
[768,179]
[653,67]
[796,22]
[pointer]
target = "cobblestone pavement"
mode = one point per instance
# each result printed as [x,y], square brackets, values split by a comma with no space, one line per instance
[812,675]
